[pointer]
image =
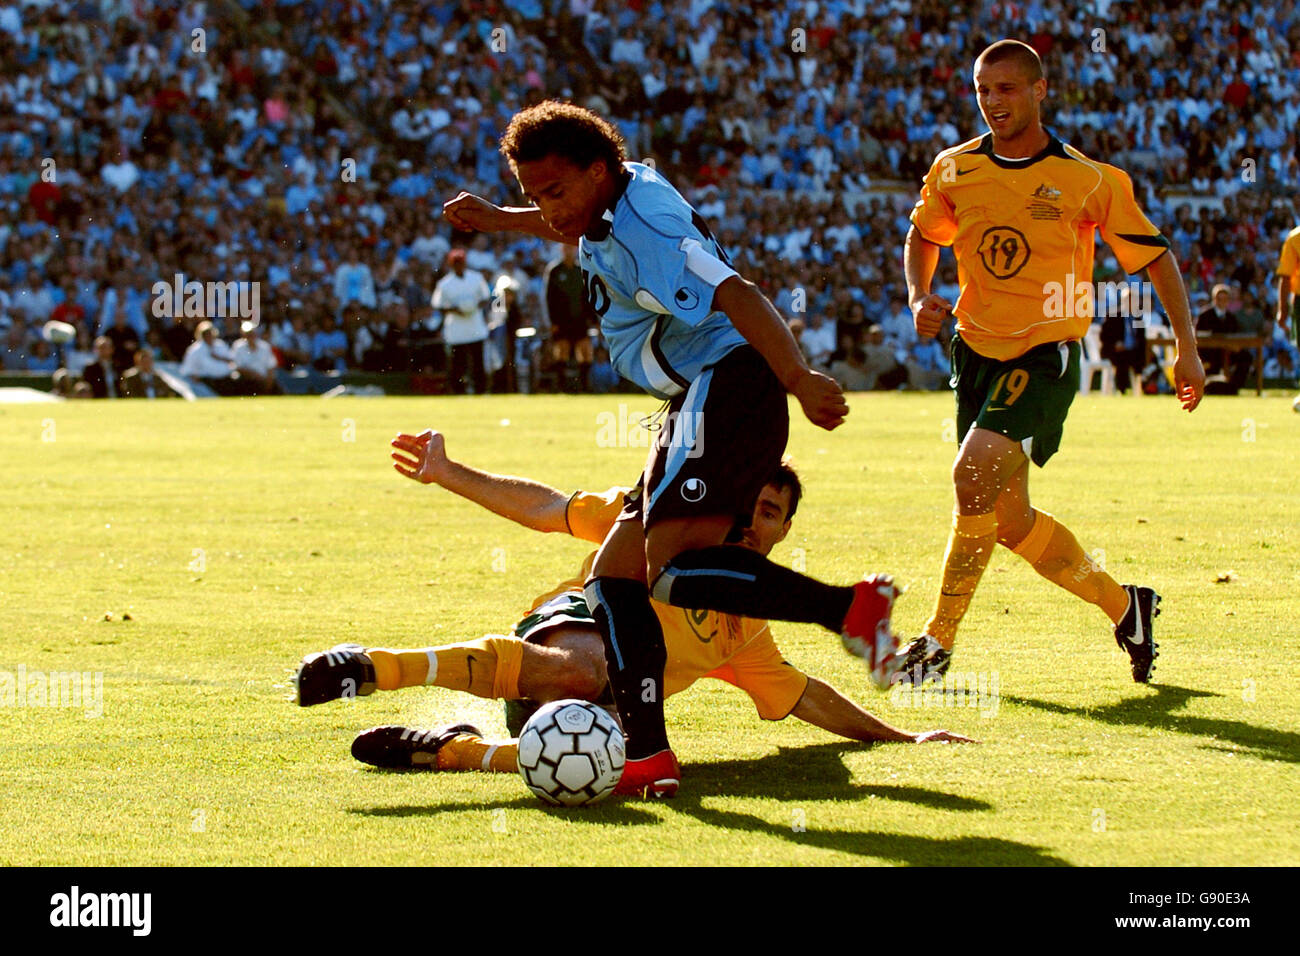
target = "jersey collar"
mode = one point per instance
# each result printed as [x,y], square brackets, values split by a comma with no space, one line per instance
[1054,147]
[600,231]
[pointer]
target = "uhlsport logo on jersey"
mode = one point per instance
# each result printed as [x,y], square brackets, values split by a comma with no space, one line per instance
[694,489]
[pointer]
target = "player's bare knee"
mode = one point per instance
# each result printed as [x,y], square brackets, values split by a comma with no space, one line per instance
[585,685]
[973,486]
[570,663]
[575,676]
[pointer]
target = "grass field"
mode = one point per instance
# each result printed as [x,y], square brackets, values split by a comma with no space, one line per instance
[239,535]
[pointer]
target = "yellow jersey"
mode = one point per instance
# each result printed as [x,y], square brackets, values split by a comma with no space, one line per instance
[1023,232]
[1288,263]
[738,650]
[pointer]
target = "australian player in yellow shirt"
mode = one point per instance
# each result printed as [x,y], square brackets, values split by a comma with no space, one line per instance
[557,651]
[1020,210]
[1288,286]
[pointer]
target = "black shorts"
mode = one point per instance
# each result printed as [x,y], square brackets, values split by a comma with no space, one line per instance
[720,443]
[569,331]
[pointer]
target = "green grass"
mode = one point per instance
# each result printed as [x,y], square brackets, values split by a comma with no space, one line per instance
[240,535]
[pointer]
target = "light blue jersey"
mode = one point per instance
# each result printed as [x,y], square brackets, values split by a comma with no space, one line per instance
[650,273]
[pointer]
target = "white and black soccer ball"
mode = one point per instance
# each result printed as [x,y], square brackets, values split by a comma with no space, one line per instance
[571,753]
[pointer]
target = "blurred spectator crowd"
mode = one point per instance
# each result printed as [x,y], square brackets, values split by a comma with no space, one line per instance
[307,146]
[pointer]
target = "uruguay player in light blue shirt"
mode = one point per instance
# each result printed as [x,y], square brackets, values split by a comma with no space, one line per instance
[682,324]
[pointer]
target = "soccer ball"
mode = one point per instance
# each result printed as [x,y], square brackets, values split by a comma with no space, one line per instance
[571,753]
[1295,405]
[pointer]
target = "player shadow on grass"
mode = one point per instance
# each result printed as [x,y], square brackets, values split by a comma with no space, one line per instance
[812,774]
[817,774]
[1156,711]
[618,811]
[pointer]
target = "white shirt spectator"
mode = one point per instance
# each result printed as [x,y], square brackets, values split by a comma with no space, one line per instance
[795,242]
[899,329]
[245,115]
[819,343]
[841,236]
[404,126]
[430,249]
[461,300]
[11,20]
[206,361]
[255,355]
[354,283]
[121,176]
[77,359]
[273,60]
[653,82]
[628,49]
[433,118]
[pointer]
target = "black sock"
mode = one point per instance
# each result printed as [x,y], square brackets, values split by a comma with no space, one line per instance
[634,658]
[735,580]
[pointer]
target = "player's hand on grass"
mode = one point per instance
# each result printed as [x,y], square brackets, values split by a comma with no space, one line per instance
[821,398]
[942,737]
[469,212]
[929,313]
[1189,378]
[422,457]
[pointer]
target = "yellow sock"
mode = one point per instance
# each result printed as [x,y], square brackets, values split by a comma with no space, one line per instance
[488,667]
[1057,556]
[397,669]
[467,752]
[970,544]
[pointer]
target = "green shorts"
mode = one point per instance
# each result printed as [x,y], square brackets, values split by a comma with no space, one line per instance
[567,608]
[1024,398]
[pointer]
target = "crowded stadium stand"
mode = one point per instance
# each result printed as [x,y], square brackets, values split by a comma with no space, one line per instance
[286,162]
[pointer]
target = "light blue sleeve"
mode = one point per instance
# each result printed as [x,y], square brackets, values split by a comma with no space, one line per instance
[678,265]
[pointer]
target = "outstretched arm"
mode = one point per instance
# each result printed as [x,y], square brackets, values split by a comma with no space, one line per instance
[423,457]
[470,212]
[823,706]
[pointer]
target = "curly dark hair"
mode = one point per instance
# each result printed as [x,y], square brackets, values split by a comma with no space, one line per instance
[552,128]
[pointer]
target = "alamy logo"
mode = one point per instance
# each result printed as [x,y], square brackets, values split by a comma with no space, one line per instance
[631,429]
[75,908]
[24,688]
[1076,298]
[207,300]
